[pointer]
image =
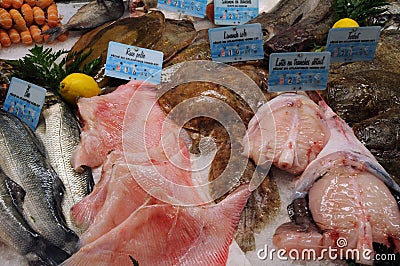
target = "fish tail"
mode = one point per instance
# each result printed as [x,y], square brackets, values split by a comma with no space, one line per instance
[228,210]
[83,213]
[47,254]
[55,32]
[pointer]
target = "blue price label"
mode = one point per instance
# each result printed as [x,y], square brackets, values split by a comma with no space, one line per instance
[192,8]
[25,100]
[236,43]
[353,44]
[234,12]
[133,63]
[298,71]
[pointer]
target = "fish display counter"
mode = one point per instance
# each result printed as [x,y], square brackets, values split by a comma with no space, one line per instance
[140,133]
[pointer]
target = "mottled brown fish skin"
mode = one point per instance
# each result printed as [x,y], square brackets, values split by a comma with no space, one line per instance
[311,29]
[199,49]
[143,31]
[177,35]
[284,14]
[264,201]
[381,135]
[357,96]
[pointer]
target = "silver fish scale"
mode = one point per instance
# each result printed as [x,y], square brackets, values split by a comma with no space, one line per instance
[59,131]
[22,160]
[14,230]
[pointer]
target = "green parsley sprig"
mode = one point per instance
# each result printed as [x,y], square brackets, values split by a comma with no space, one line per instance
[47,68]
[359,10]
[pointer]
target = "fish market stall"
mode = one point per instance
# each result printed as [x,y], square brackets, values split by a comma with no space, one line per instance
[202,132]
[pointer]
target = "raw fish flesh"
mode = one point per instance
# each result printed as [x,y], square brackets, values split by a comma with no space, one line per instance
[151,147]
[163,234]
[350,197]
[83,212]
[102,132]
[296,139]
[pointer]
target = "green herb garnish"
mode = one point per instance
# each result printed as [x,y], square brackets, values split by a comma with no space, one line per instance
[359,10]
[47,68]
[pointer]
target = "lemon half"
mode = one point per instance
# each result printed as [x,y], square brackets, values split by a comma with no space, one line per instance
[345,23]
[77,85]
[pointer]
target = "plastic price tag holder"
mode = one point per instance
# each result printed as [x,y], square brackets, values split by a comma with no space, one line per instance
[236,43]
[353,44]
[25,100]
[133,63]
[234,12]
[188,7]
[298,71]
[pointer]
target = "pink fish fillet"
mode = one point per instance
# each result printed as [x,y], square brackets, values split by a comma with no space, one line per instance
[125,195]
[103,118]
[169,235]
[83,212]
[153,151]
[349,199]
[289,131]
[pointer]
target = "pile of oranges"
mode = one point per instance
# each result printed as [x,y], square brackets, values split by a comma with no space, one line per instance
[23,21]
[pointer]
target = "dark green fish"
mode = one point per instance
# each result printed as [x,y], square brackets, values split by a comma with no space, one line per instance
[23,160]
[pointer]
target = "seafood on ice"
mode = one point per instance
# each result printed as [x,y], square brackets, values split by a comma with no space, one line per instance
[351,201]
[153,222]
[24,161]
[292,139]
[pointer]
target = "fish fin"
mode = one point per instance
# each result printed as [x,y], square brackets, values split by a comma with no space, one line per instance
[55,32]
[83,212]
[90,180]
[381,173]
[228,210]
[39,144]
[297,19]
[58,193]
[17,193]
[47,254]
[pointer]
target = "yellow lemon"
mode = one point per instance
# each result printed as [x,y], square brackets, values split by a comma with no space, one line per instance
[78,85]
[345,23]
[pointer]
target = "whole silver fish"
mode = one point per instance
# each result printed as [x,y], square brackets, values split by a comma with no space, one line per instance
[59,132]
[89,16]
[16,232]
[23,160]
